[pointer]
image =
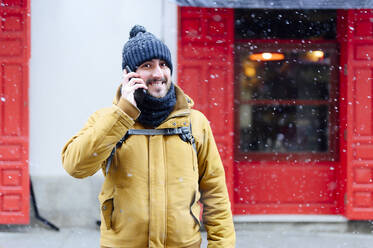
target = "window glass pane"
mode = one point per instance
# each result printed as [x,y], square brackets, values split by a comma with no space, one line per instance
[283,128]
[286,75]
[285,24]
[300,74]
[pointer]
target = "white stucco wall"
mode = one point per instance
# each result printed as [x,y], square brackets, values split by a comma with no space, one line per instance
[75,69]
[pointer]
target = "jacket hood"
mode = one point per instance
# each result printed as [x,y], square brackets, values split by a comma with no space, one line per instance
[183,101]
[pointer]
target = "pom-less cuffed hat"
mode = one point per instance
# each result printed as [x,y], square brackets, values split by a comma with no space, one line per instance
[144,46]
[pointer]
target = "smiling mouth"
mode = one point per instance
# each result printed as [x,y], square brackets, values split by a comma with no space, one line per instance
[155,82]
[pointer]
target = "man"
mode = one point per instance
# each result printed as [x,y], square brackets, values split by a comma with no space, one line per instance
[153,181]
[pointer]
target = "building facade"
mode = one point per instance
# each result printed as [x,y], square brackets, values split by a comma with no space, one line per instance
[288,92]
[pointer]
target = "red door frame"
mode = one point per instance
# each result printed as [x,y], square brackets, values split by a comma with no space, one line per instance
[342,29]
[197,48]
[354,197]
[357,74]
[14,120]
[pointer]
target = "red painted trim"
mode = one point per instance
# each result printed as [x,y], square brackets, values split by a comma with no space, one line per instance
[286,102]
[296,208]
[349,84]
[313,163]
[16,167]
[285,41]
[342,169]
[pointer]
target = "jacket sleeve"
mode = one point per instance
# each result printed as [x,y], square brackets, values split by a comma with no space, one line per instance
[84,154]
[217,215]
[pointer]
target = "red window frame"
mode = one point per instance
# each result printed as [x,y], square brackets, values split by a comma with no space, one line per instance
[269,45]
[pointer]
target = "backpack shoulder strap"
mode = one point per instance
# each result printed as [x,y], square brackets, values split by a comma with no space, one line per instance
[185,134]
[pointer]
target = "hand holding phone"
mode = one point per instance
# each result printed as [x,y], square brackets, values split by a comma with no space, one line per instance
[132,86]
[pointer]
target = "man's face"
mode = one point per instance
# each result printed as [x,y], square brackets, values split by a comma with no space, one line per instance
[157,76]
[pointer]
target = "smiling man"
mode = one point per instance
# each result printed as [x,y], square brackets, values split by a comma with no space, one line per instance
[158,156]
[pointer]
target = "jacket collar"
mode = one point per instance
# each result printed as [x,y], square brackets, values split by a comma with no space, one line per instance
[183,104]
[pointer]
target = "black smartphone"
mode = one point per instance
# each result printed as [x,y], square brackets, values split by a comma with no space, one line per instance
[128,69]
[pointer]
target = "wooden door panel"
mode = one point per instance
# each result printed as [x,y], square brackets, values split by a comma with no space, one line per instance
[12,76]
[205,62]
[307,189]
[14,134]
[304,186]
[358,78]
[363,98]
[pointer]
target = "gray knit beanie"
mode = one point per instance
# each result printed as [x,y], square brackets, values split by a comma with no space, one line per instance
[144,46]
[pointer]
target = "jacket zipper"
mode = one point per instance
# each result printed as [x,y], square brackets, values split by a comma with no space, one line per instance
[149,190]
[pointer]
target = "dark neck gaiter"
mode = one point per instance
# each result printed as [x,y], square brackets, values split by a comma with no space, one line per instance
[154,110]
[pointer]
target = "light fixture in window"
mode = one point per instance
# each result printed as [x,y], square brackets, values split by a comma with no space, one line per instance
[315,56]
[267,56]
[249,69]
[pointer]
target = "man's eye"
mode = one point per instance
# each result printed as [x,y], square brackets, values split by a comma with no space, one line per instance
[163,64]
[146,65]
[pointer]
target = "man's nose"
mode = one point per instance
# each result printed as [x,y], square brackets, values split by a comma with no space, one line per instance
[157,71]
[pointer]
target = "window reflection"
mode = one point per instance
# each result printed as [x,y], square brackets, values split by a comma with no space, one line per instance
[285,104]
[283,129]
[296,77]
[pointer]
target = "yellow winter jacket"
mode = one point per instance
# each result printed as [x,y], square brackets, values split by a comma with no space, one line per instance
[151,193]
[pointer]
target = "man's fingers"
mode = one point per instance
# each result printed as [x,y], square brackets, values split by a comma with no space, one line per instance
[134,81]
[132,85]
[138,86]
[130,82]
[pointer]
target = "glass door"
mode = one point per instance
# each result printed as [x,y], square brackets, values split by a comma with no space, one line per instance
[286,112]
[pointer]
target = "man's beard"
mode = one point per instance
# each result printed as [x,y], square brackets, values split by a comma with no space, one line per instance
[141,93]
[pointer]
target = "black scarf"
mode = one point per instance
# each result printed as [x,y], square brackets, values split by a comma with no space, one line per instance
[154,110]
